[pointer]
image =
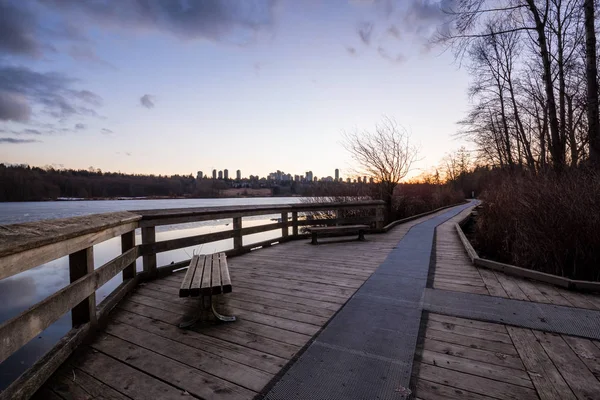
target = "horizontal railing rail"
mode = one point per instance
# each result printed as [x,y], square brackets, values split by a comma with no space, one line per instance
[26,246]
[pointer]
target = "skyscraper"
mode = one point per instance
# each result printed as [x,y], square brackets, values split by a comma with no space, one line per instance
[226,174]
[337,175]
[238,175]
[220,174]
[214,174]
[200,175]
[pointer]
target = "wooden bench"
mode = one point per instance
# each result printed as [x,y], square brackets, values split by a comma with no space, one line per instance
[206,276]
[338,231]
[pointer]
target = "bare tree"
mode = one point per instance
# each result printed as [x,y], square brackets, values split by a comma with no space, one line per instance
[385,154]
[592,84]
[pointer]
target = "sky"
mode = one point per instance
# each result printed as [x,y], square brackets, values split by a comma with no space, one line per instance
[180,86]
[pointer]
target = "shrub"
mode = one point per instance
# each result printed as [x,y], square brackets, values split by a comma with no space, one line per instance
[544,222]
[416,198]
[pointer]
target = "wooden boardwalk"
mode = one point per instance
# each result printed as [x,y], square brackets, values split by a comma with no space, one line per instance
[282,296]
[285,294]
[460,358]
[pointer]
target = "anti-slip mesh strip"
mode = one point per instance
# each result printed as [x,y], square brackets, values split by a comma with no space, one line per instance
[545,317]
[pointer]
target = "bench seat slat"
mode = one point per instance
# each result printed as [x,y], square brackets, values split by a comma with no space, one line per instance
[225,278]
[337,229]
[197,281]
[206,288]
[184,290]
[216,276]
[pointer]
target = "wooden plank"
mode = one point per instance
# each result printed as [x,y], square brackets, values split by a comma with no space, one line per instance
[475,384]
[127,243]
[209,264]
[531,290]
[574,371]
[245,333]
[17,238]
[196,284]
[460,281]
[125,379]
[548,382]
[13,263]
[512,289]
[216,277]
[586,351]
[469,331]
[173,372]
[239,374]
[34,377]
[432,391]
[459,288]
[296,293]
[275,311]
[244,355]
[225,278]
[487,326]
[474,343]
[184,291]
[553,295]
[17,331]
[81,263]
[72,383]
[492,284]
[577,299]
[148,257]
[489,357]
[46,394]
[477,368]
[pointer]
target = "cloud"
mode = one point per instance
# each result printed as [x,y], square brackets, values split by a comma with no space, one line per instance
[351,50]
[127,153]
[18,33]
[105,131]
[364,32]
[210,19]
[398,58]
[394,32]
[14,107]
[87,54]
[21,87]
[147,101]
[17,141]
[79,126]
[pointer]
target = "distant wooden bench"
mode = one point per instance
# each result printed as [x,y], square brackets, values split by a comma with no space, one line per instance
[206,276]
[338,231]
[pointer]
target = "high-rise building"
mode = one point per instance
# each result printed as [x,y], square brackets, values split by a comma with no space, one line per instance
[238,175]
[214,174]
[337,175]
[226,174]
[364,179]
[348,180]
[309,176]
[359,179]
[371,180]
[200,175]
[220,174]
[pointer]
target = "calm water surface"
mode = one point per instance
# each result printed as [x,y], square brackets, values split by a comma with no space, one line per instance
[21,291]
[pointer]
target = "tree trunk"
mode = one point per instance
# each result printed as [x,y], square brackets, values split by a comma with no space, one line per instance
[556,149]
[592,84]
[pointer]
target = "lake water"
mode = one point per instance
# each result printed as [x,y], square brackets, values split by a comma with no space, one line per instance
[21,291]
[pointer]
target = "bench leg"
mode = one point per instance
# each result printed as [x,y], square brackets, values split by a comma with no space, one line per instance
[224,318]
[190,323]
[361,235]
[314,238]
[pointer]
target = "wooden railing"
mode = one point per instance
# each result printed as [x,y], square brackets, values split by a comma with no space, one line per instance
[25,246]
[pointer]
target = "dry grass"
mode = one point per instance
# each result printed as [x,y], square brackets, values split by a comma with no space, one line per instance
[544,222]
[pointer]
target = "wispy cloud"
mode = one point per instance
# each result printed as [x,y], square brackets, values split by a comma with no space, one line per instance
[106,131]
[147,101]
[365,30]
[18,141]
[21,87]
[79,126]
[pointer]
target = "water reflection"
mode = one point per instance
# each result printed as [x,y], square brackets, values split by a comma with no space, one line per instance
[21,291]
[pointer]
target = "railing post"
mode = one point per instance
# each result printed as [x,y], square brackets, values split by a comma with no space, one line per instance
[379,217]
[295,223]
[237,236]
[285,228]
[149,260]
[81,263]
[127,243]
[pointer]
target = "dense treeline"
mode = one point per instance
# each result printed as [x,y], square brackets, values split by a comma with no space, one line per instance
[25,183]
